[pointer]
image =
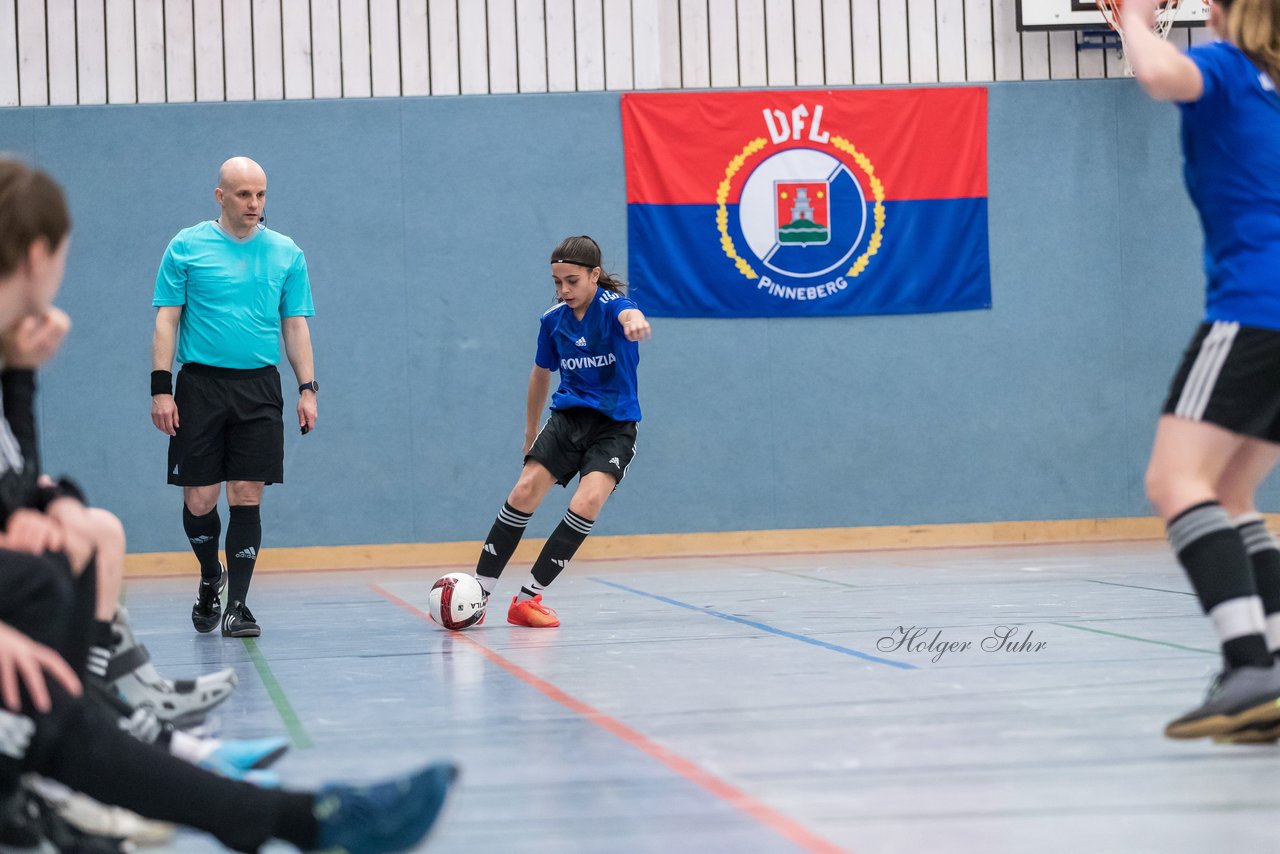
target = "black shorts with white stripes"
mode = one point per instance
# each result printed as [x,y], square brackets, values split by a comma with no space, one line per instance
[1230,377]
[580,441]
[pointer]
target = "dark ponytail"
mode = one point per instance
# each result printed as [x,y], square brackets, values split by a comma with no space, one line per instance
[585,252]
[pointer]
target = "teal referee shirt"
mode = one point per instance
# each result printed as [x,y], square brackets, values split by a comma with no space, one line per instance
[233,292]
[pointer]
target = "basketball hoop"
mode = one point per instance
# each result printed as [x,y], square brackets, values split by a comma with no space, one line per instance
[1166,14]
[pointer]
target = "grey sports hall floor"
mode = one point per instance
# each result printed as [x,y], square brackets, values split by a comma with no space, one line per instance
[742,705]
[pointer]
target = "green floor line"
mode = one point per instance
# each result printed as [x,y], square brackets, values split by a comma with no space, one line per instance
[813,578]
[298,735]
[1140,640]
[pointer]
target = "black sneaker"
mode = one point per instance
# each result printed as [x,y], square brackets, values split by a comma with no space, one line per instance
[207,611]
[239,622]
[1241,697]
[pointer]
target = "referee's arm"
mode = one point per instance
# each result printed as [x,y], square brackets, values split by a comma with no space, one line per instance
[164,412]
[297,348]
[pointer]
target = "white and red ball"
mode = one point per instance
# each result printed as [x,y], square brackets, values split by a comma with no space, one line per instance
[457,601]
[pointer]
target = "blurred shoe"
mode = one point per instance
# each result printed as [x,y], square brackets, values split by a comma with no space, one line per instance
[391,816]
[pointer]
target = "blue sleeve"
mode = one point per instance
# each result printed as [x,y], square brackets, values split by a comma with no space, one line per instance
[1218,64]
[295,297]
[171,280]
[546,357]
[618,306]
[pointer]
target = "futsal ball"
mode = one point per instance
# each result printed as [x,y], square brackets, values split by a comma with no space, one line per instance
[457,601]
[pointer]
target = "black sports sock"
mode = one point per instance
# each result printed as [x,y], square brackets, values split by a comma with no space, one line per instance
[244,539]
[558,551]
[1213,555]
[500,545]
[202,533]
[1264,555]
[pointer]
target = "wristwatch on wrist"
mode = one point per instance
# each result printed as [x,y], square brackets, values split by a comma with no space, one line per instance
[312,386]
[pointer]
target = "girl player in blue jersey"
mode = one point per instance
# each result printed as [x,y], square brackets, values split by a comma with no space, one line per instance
[1218,438]
[590,337]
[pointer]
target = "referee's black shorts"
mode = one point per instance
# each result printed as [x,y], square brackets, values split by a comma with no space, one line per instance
[1230,377]
[230,426]
[580,441]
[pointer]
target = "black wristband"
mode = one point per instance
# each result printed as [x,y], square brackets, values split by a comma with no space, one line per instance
[161,382]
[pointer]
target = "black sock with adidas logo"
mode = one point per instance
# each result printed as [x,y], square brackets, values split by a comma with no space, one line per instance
[558,551]
[500,545]
[202,533]
[244,539]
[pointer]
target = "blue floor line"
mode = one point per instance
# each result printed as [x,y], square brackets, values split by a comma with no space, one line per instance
[844,650]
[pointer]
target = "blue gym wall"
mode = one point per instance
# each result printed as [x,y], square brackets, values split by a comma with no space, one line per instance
[427,225]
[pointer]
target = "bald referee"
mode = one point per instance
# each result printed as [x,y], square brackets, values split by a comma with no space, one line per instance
[227,291]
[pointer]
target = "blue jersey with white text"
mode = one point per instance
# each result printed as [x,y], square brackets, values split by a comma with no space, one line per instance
[1231,150]
[597,363]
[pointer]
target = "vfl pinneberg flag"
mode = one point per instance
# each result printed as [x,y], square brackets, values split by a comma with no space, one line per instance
[791,204]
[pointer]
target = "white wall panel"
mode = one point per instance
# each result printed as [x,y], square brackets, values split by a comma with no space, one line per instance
[588,41]
[504,76]
[810,61]
[326,48]
[753,65]
[33,46]
[562,65]
[60,21]
[619,69]
[149,27]
[122,53]
[473,48]
[296,44]
[415,55]
[780,42]
[895,54]
[837,42]
[91,52]
[384,48]
[922,40]
[207,29]
[148,51]
[179,51]
[9,96]
[353,26]
[442,28]
[237,48]
[866,42]
[695,48]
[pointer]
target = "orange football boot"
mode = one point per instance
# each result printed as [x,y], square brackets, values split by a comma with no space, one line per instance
[531,613]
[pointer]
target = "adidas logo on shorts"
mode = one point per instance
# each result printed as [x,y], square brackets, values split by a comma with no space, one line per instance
[617,463]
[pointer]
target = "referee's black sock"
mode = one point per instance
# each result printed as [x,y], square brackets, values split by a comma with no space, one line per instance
[500,545]
[202,533]
[558,551]
[1264,554]
[1213,554]
[244,538]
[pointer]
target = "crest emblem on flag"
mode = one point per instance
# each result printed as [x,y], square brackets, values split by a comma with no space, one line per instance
[803,212]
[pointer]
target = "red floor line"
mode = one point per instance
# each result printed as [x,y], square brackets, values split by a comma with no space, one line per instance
[766,815]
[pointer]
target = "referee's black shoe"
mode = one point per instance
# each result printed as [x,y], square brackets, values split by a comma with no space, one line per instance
[207,611]
[239,623]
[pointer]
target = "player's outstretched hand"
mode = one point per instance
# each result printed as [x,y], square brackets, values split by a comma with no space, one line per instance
[635,325]
[23,659]
[35,339]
